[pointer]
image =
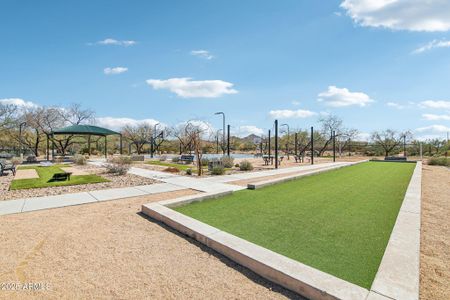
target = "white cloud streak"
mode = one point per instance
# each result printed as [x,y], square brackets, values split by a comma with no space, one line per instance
[434,129]
[341,97]
[412,15]
[205,54]
[114,42]
[115,70]
[119,123]
[433,117]
[291,114]
[432,45]
[188,88]
[18,102]
[438,104]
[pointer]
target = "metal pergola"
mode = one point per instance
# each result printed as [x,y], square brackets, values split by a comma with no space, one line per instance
[88,130]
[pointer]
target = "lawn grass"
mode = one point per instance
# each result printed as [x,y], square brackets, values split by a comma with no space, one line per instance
[46,173]
[171,165]
[338,221]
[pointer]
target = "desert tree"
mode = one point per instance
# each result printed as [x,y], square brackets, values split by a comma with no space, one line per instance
[138,135]
[199,134]
[343,135]
[389,139]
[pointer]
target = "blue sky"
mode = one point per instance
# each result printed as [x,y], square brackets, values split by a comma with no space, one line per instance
[373,63]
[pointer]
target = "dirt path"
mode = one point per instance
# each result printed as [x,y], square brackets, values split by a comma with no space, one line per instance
[435,234]
[108,250]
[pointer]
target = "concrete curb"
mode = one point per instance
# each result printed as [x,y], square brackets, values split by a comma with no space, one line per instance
[254,186]
[291,274]
[398,274]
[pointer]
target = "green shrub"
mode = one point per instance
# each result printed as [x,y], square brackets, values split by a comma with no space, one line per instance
[439,161]
[245,165]
[163,158]
[176,159]
[227,161]
[188,171]
[79,159]
[218,170]
[236,165]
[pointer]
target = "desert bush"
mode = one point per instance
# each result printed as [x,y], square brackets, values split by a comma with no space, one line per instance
[163,158]
[16,161]
[188,171]
[245,165]
[227,161]
[218,170]
[236,165]
[176,159]
[58,159]
[205,162]
[122,160]
[171,170]
[79,159]
[439,161]
[118,165]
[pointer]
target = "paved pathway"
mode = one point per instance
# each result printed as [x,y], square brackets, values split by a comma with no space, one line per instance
[170,183]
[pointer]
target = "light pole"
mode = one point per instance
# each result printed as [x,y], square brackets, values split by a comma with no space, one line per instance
[152,140]
[20,138]
[223,139]
[217,140]
[287,145]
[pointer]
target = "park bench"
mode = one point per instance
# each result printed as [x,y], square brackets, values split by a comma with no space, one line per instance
[187,159]
[395,158]
[298,158]
[269,159]
[5,166]
[63,176]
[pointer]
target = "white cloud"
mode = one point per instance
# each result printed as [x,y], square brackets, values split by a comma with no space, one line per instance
[18,102]
[291,114]
[434,129]
[246,130]
[432,117]
[395,105]
[431,45]
[115,70]
[202,54]
[363,136]
[435,104]
[114,42]
[413,15]
[119,123]
[340,97]
[188,88]
[296,103]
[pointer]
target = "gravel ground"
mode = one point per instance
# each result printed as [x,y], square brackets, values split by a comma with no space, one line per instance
[108,250]
[115,182]
[435,234]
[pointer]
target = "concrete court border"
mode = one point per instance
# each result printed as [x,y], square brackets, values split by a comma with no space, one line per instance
[391,281]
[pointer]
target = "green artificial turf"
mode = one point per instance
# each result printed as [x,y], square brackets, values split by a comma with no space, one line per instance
[172,165]
[338,221]
[45,175]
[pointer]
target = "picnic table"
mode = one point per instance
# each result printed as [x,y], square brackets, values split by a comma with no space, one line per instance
[62,176]
[187,159]
[269,159]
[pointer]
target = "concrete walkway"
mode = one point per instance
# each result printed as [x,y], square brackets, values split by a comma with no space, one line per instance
[171,182]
